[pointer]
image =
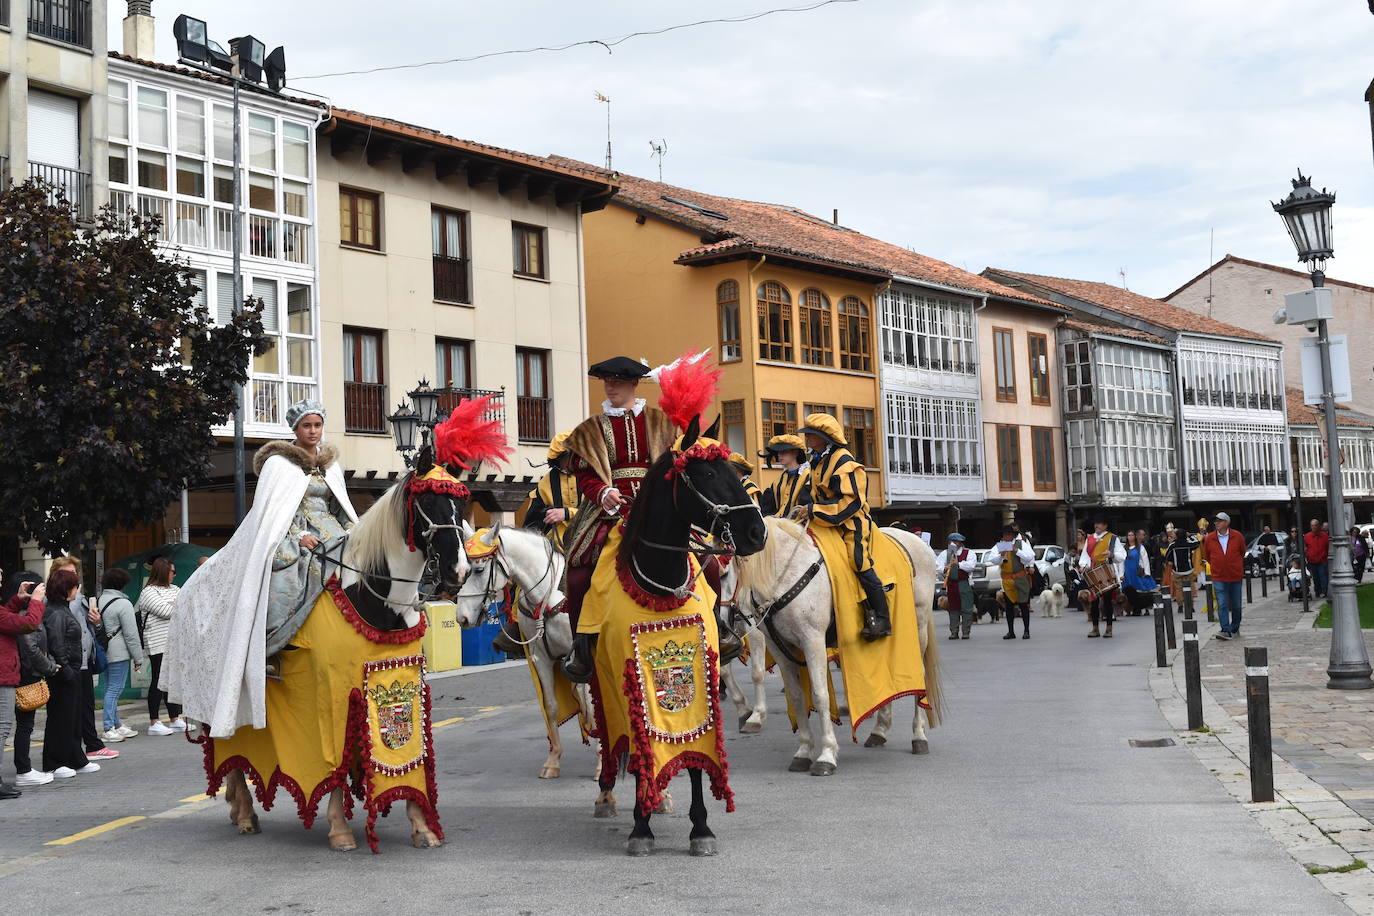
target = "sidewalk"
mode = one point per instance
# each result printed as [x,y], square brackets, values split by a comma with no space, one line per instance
[1328,735]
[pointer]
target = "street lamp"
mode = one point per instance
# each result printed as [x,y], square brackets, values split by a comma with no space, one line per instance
[1306,213]
[426,401]
[244,64]
[404,423]
[422,415]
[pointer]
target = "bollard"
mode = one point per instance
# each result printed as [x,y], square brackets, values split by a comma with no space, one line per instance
[1257,720]
[1169,622]
[1264,585]
[1188,602]
[1211,604]
[1161,660]
[1192,674]
[1249,590]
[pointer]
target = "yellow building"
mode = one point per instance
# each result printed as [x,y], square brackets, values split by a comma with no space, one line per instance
[670,270]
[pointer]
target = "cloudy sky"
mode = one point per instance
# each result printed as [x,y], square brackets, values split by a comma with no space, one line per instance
[1063,137]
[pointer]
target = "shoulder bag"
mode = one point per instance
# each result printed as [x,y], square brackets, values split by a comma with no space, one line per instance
[29,697]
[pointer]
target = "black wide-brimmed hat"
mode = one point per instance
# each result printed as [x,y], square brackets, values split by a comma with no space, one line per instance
[1100,519]
[619,367]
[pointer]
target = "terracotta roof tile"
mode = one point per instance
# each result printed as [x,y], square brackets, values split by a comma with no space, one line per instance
[211,78]
[1299,414]
[1288,271]
[1093,326]
[1125,302]
[755,225]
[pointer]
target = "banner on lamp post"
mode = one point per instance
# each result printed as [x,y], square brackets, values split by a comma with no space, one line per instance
[1312,370]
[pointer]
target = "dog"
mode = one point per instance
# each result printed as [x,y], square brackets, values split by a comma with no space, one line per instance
[1052,601]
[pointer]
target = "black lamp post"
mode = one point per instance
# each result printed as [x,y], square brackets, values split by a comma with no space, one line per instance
[1306,213]
[420,415]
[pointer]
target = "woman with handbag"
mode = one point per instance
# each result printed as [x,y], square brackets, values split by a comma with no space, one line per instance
[35,666]
[156,603]
[125,649]
[93,641]
[21,614]
[63,752]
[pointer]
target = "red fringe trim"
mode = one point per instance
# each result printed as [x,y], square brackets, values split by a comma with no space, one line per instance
[639,595]
[650,788]
[380,805]
[697,452]
[854,724]
[367,630]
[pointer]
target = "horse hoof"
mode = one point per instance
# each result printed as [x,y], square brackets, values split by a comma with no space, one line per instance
[875,741]
[550,772]
[640,846]
[604,809]
[342,842]
[750,728]
[821,768]
[703,846]
[425,840]
[799,765]
[249,826]
[920,746]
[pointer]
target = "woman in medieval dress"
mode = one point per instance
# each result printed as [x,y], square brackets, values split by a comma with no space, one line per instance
[243,606]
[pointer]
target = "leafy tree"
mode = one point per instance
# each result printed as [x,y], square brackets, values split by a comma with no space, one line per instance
[110,375]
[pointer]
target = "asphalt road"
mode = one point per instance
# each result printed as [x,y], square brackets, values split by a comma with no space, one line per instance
[1031,801]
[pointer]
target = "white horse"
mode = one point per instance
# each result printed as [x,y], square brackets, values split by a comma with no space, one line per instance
[801,626]
[751,715]
[530,560]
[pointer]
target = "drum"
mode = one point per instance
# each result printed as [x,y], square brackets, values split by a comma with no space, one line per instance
[1101,579]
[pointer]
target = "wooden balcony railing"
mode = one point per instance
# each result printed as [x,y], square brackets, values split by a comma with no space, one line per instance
[534,415]
[451,279]
[449,398]
[364,407]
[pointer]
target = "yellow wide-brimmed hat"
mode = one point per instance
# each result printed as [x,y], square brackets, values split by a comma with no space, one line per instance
[558,446]
[823,424]
[741,462]
[783,444]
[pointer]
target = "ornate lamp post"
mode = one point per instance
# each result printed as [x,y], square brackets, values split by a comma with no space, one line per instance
[420,415]
[1306,213]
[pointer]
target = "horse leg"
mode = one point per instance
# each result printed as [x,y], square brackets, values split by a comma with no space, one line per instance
[758,673]
[605,802]
[792,685]
[727,678]
[341,837]
[881,723]
[240,799]
[421,837]
[825,763]
[702,841]
[919,744]
[641,841]
[544,665]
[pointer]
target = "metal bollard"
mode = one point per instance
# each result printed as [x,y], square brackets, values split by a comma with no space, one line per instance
[1211,604]
[1161,659]
[1192,674]
[1257,720]
[1188,603]
[1249,590]
[1264,585]
[1169,622]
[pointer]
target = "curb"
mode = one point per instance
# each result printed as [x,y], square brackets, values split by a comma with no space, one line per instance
[1314,826]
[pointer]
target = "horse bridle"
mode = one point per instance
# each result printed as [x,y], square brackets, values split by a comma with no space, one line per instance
[491,590]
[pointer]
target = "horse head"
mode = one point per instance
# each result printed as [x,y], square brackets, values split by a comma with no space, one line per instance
[707,491]
[436,526]
[486,578]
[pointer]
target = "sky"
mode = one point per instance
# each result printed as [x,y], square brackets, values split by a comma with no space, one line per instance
[1063,137]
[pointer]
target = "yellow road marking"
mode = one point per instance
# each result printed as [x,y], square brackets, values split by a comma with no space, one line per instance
[489,709]
[95,831]
[443,722]
[195,798]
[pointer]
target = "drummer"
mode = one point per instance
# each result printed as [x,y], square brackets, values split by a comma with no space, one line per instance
[1103,558]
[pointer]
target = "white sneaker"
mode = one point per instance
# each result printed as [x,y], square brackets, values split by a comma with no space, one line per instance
[126,731]
[33,778]
[90,768]
[157,728]
[178,723]
[113,736]
[64,772]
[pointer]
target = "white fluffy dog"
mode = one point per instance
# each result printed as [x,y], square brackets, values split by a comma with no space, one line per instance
[1052,601]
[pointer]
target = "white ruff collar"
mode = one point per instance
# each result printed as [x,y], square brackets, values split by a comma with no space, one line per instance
[610,411]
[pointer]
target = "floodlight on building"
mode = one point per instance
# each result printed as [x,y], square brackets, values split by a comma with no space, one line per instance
[249,56]
[193,42]
[276,69]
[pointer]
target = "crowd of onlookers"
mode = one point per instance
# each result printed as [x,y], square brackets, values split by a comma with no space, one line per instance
[54,644]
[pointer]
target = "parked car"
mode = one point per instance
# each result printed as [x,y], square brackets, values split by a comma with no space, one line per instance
[1259,558]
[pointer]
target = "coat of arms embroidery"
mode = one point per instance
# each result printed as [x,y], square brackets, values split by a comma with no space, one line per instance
[395,712]
[674,677]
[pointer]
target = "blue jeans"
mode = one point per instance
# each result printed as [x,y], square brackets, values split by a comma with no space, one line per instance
[1318,573]
[1228,605]
[116,676]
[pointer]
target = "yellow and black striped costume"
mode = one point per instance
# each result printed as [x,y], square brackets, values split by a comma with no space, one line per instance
[791,489]
[839,499]
[558,490]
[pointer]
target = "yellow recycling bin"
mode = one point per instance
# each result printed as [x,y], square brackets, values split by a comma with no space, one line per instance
[442,644]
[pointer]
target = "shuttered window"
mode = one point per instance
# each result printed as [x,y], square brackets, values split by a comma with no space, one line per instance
[54,130]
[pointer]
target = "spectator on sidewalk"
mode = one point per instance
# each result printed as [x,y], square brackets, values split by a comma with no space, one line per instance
[156,603]
[1224,551]
[20,615]
[89,617]
[1179,570]
[34,665]
[125,649]
[63,755]
[1359,553]
[1138,583]
[1317,548]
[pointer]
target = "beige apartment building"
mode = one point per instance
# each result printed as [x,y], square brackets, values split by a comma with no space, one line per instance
[454,262]
[1246,293]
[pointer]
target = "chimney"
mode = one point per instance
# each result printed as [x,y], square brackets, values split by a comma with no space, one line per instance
[835,216]
[138,30]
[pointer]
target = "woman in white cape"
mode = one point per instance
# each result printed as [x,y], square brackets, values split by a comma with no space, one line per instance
[247,600]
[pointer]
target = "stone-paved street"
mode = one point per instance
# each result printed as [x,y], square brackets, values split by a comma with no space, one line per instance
[1327,734]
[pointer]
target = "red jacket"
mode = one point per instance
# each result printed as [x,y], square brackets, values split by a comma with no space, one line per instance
[14,623]
[1227,565]
[1318,546]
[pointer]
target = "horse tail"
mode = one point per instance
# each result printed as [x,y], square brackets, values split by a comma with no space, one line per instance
[923,588]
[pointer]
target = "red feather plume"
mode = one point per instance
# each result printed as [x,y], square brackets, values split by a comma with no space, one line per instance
[469,435]
[688,388]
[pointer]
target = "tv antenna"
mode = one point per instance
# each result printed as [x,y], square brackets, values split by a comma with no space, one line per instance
[607,100]
[1122,271]
[659,150]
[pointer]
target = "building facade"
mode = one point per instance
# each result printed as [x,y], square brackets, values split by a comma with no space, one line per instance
[458,263]
[1308,431]
[1247,293]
